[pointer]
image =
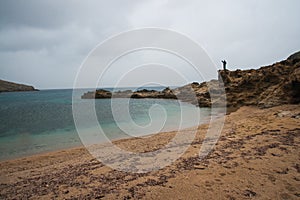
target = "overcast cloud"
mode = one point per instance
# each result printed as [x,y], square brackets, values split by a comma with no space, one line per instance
[43,42]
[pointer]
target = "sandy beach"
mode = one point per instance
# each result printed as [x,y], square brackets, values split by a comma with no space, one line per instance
[151,100]
[256,157]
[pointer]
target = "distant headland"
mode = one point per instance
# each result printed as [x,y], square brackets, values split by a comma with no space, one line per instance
[6,86]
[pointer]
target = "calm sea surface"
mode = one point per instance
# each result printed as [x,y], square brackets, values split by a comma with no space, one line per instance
[35,122]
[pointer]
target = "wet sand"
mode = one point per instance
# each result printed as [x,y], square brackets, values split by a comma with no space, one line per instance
[256,157]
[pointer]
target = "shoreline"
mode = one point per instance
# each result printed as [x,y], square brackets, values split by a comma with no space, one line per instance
[257,155]
[205,122]
[82,147]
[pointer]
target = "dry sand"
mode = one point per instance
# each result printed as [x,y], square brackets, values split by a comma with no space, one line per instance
[256,157]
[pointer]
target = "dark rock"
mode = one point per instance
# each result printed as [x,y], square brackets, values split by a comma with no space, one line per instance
[201,167]
[297,167]
[294,56]
[249,193]
[100,196]
[66,191]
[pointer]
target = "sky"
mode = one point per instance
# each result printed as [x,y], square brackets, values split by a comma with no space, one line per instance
[44,42]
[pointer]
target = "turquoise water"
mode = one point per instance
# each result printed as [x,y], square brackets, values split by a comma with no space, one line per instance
[41,121]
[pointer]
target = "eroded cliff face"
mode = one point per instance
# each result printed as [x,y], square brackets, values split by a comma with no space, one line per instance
[6,86]
[267,86]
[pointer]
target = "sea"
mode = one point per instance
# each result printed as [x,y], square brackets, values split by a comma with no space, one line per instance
[42,121]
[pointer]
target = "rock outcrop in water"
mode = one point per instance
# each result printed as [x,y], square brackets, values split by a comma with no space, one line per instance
[6,86]
[167,93]
[267,86]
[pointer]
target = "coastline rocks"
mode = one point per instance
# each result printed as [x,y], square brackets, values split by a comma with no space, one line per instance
[167,93]
[202,95]
[265,87]
[98,94]
[6,86]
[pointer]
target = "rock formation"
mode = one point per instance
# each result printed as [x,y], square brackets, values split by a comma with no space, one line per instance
[6,86]
[167,93]
[267,86]
[294,56]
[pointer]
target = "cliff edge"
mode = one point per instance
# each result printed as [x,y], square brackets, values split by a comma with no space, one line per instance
[267,86]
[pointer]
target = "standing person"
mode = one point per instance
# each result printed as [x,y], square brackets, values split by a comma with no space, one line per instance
[224,65]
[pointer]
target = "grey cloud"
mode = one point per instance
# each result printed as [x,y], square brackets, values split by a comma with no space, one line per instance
[54,14]
[247,33]
[34,13]
[44,42]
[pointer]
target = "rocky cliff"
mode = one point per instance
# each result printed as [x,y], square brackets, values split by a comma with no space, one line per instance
[6,86]
[267,86]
